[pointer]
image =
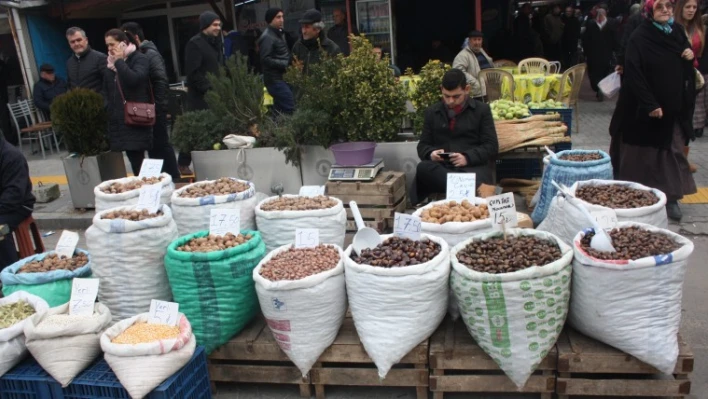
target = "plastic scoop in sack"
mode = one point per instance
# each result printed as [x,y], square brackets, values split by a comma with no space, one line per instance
[365,237]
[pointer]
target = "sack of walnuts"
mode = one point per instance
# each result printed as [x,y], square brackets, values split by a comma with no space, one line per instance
[12,336]
[514,312]
[630,202]
[631,299]
[192,204]
[455,221]
[46,275]
[128,248]
[303,298]
[126,191]
[214,286]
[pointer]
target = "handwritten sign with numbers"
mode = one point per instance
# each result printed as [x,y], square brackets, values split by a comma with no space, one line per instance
[502,210]
[162,312]
[312,191]
[83,296]
[151,168]
[461,186]
[67,243]
[607,219]
[407,226]
[224,221]
[307,238]
[150,197]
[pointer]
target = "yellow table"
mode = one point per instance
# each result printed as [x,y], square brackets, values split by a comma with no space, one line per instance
[512,70]
[535,87]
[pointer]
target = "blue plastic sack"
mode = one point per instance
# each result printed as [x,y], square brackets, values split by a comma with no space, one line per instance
[567,173]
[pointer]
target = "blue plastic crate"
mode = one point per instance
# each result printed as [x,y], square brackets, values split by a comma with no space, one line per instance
[99,382]
[28,380]
[566,115]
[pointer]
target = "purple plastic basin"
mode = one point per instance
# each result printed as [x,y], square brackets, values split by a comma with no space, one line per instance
[354,153]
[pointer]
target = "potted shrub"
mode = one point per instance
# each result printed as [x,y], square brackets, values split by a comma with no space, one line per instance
[81,118]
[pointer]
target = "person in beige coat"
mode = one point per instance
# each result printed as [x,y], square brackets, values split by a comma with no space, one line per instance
[471,60]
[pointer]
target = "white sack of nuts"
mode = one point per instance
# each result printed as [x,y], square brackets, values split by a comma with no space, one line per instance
[277,226]
[129,260]
[192,214]
[632,305]
[395,309]
[12,338]
[454,232]
[304,314]
[64,345]
[515,317]
[565,220]
[128,192]
[142,367]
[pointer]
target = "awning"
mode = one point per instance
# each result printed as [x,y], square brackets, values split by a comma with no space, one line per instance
[74,9]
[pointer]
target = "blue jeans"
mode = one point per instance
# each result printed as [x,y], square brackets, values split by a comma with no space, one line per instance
[283,99]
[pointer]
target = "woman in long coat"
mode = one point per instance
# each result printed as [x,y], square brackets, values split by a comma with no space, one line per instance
[599,43]
[653,115]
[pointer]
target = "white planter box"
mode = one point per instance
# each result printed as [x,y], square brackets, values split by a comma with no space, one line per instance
[83,174]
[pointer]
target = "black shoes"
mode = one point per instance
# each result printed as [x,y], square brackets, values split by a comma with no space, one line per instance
[673,211]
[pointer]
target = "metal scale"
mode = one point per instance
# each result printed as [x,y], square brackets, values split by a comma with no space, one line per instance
[366,172]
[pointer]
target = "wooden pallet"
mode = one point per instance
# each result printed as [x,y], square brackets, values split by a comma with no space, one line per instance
[590,368]
[346,363]
[253,356]
[458,364]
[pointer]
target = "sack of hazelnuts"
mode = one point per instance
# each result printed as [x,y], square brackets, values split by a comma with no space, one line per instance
[631,298]
[513,295]
[126,191]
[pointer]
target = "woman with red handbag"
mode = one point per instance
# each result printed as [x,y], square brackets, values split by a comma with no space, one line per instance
[129,98]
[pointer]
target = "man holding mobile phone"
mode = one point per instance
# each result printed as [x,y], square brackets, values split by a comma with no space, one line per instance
[458,137]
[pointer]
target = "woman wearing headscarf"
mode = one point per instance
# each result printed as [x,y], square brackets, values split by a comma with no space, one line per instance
[652,119]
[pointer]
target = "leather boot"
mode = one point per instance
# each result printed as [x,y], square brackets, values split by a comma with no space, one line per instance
[673,211]
[692,167]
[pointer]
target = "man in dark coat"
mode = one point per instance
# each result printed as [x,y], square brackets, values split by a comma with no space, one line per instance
[599,43]
[161,147]
[85,68]
[275,59]
[571,36]
[47,88]
[309,48]
[458,137]
[16,199]
[339,33]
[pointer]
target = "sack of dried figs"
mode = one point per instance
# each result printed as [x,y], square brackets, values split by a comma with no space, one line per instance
[126,191]
[303,298]
[631,299]
[513,295]
[631,202]
[397,300]
[567,168]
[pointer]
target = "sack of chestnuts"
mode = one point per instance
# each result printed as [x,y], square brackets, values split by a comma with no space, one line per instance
[631,202]
[398,297]
[455,221]
[309,284]
[631,298]
[126,191]
[521,284]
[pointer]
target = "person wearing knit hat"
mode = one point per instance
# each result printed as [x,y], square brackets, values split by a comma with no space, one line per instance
[275,59]
[271,13]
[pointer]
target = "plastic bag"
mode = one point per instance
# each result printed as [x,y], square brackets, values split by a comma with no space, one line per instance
[610,85]
[12,339]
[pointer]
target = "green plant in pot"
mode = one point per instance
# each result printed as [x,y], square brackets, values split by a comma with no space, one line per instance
[427,90]
[81,118]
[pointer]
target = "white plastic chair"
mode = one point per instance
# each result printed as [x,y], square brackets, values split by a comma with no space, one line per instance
[534,65]
[555,67]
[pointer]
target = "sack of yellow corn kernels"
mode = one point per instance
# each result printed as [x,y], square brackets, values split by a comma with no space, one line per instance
[143,355]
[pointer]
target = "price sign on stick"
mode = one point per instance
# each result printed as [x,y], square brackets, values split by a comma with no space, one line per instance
[607,219]
[223,221]
[312,191]
[502,210]
[150,197]
[67,243]
[151,168]
[461,186]
[83,296]
[307,238]
[162,312]
[407,226]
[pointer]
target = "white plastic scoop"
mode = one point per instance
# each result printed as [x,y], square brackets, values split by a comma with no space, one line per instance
[551,153]
[365,237]
[601,241]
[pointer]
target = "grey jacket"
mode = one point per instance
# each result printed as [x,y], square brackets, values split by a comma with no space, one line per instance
[466,61]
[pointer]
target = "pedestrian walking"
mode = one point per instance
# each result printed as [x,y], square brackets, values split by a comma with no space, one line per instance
[47,88]
[85,68]
[701,113]
[635,19]
[309,48]
[471,61]
[571,37]
[275,59]
[553,28]
[599,43]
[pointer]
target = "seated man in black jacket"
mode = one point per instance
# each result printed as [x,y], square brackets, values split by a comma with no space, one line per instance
[16,198]
[458,125]
[47,88]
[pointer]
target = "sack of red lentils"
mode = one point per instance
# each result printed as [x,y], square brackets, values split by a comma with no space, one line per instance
[64,344]
[143,355]
[16,308]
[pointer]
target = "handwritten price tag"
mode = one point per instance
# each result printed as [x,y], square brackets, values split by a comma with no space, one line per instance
[312,191]
[224,221]
[607,219]
[151,168]
[150,197]
[461,186]
[307,238]
[502,210]
[407,226]
[67,243]
[162,312]
[83,296]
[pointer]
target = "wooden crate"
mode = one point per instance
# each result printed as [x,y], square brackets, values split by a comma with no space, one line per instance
[253,356]
[458,364]
[346,363]
[590,368]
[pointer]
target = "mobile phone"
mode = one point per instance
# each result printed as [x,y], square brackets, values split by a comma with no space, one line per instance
[445,155]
